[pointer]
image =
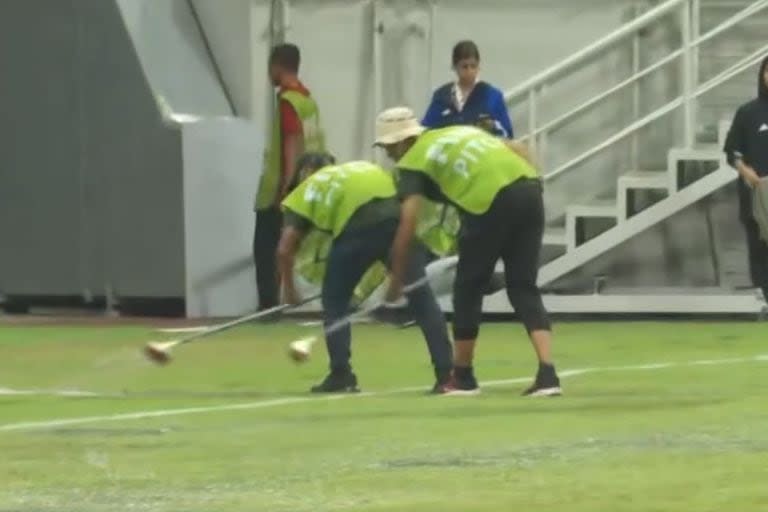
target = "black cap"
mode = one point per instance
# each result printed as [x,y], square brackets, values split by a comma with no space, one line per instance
[314,160]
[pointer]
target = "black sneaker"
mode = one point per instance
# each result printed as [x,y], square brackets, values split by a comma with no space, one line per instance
[547,383]
[462,383]
[442,378]
[337,382]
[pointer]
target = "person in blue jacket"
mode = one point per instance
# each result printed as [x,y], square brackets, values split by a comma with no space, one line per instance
[469,100]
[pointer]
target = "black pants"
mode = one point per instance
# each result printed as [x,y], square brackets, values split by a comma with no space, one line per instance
[266,236]
[758,255]
[756,247]
[511,230]
[352,253]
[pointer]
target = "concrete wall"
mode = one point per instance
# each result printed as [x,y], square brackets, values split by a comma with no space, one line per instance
[174,57]
[227,29]
[99,193]
[219,180]
[87,182]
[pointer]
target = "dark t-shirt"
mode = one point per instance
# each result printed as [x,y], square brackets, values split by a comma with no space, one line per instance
[748,140]
[412,183]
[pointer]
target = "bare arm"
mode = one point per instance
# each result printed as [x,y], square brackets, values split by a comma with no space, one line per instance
[406,230]
[521,149]
[290,241]
[747,173]
[294,147]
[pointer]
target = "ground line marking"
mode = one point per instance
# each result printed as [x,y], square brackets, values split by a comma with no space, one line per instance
[33,425]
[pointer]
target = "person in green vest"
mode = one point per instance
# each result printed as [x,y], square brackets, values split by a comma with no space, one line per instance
[295,129]
[311,259]
[357,204]
[499,196]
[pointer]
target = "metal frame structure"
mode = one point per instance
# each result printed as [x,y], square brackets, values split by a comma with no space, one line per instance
[577,252]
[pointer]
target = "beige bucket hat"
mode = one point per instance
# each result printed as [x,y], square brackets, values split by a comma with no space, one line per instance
[396,124]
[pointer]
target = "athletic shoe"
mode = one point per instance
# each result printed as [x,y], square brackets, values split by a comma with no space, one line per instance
[337,382]
[547,383]
[442,378]
[461,383]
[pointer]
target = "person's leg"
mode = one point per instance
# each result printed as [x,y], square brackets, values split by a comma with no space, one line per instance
[350,257]
[423,305]
[265,239]
[479,249]
[520,254]
[758,256]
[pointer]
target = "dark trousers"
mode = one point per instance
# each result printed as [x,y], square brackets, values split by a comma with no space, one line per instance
[266,236]
[352,253]
[756,247]
[511,230]
[758,255]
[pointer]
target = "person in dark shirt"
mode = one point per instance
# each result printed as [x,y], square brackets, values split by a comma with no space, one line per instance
[746,148]
[469,100]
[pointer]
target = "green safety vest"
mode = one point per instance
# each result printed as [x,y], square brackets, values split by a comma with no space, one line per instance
[469,165]
[438,228]
[314,140]
[330,197]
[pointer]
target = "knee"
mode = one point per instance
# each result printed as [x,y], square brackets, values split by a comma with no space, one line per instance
[529,308]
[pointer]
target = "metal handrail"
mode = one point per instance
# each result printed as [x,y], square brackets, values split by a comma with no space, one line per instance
[734,70]
[597,99]
[734,20]
[594,49]
[629,130]
[730,22]
[692,41]
[754,58]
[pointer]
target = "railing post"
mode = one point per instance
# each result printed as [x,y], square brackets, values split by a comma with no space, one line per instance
[635,146]
[377,29]
[532,121]
[689,121]
[543,140]
[696,34]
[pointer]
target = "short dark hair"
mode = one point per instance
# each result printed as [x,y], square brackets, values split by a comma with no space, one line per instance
[465,50]
[315,160]
[286,56]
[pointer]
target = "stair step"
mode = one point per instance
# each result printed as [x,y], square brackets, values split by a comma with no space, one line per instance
[597,208]
[554,237]
[645,180]
[699,152]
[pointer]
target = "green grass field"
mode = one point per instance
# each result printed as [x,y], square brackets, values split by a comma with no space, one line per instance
[656,417]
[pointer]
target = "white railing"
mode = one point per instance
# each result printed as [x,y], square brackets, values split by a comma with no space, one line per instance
[688,54]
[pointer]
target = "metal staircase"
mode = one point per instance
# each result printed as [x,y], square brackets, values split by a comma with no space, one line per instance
[588,229]
[626,223]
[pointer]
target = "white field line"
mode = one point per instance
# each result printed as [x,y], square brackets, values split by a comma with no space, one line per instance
[33,425]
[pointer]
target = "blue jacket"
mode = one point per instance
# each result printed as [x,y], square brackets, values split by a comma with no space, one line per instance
[484,100]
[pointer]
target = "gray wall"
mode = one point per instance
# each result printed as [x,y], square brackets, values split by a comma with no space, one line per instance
[174,57]
[221,173]
[123,171]
[89,186]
